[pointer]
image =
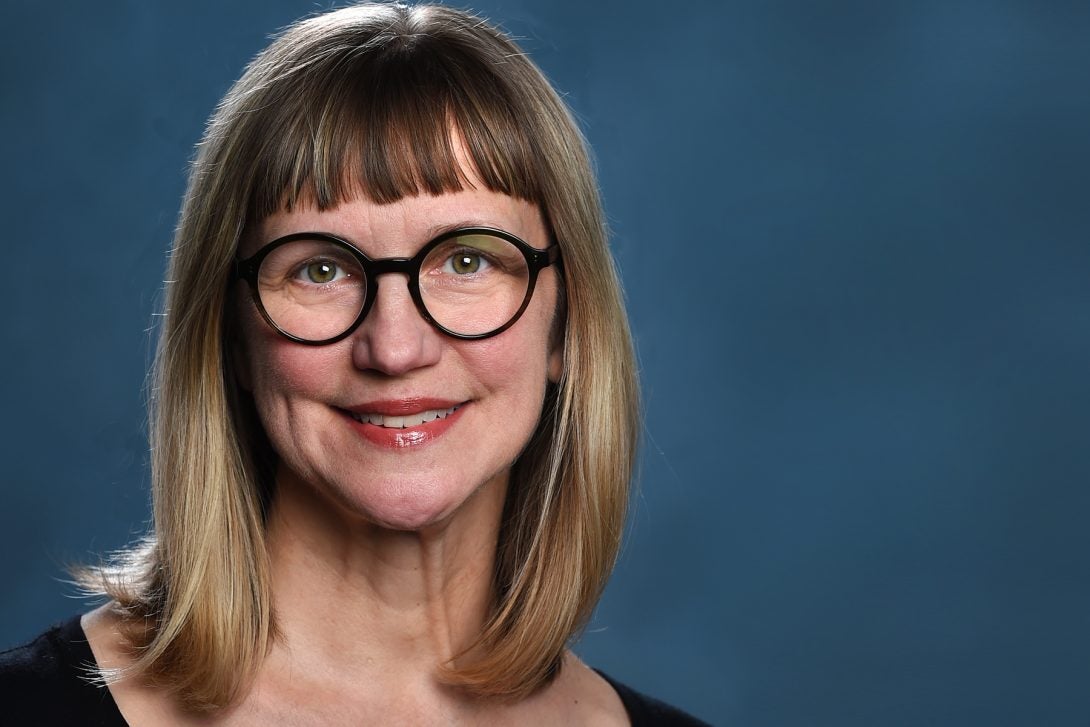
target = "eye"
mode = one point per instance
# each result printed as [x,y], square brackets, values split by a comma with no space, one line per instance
[321,272]
[465,262]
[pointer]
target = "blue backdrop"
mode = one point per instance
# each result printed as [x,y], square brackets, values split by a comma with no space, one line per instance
[855,240]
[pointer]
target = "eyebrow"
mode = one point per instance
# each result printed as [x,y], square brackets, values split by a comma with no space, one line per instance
[436,230]
[441,229]
[429,234]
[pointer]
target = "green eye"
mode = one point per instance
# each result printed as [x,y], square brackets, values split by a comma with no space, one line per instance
[465,263]
[321,272]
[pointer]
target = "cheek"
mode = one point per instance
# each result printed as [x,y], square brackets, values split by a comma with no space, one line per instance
[276,370]
[518,361]
[284,372]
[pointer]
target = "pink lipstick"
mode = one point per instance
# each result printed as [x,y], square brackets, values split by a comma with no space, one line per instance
[398,423]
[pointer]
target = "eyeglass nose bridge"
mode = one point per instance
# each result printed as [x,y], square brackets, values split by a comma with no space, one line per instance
[372,269]
[382,266]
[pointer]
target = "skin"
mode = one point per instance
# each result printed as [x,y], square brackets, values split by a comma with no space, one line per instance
[382,558]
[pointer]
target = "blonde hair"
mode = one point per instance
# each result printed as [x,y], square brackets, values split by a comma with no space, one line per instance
[365,100]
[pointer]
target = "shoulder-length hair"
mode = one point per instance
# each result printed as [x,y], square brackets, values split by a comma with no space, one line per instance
[366,100]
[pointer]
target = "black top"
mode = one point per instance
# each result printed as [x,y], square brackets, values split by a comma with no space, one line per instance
[645,711]
[47,682]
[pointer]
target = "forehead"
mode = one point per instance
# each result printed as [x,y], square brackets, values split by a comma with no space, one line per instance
[397,229]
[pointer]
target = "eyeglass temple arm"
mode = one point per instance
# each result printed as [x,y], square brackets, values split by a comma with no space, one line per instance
[548,256]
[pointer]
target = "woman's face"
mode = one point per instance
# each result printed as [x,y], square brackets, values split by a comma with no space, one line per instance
[310,398]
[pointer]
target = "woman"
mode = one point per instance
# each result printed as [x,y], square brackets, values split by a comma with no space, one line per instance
[395,406]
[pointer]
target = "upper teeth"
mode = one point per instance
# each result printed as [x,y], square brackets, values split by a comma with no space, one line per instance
[409,420]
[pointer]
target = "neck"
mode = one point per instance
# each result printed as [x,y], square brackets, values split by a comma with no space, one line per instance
[351,597]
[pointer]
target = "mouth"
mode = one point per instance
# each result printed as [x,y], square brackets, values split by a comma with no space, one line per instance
[402,421]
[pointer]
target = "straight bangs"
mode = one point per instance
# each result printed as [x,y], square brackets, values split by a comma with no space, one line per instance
[395,118]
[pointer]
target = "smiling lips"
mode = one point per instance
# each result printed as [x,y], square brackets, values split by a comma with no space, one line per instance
[404,422]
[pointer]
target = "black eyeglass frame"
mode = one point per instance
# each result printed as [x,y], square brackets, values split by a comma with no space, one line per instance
[536,261]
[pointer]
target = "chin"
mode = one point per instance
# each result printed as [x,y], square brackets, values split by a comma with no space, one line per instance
[401,501]
[409,516]
[409,506]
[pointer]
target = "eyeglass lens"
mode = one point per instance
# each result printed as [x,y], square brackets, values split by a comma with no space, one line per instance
[470,284]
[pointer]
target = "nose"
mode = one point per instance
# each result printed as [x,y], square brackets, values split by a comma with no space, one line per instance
[393,339]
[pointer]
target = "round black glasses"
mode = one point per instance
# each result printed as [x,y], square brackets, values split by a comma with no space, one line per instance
[472,282]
